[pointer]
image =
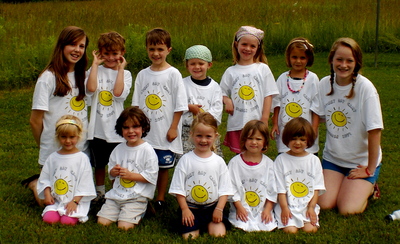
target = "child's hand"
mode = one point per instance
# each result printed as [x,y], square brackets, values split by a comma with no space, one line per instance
[312,216]
[187,217]
[71,208]
[114,172]
[195,108]
[266,216]
[274,131]
[124,173]
[229,106]
[172,134]
[285,216]
[122,63]
[217,215]
[241,213]
[97,59]
[48,200]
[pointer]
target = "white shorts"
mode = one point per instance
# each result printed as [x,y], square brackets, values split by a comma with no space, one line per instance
[130,211]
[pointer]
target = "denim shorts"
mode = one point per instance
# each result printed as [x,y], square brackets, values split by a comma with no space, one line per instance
[346,171]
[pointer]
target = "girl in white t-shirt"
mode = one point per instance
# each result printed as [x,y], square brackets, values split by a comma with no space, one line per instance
[298,89]
[253,180]
[66,181]
[248,86]
[59,90]
[299,179]
[352,155]
[201,182]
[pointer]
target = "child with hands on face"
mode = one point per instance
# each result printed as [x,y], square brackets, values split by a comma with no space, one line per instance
[108,84]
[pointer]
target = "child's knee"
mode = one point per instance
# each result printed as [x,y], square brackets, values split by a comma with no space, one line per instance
[66,220]
[51,217]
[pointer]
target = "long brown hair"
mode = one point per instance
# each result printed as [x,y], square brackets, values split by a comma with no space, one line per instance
[59,67]
[357,54]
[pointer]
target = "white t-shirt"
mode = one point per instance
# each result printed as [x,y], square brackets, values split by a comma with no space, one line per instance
[348,121]
[106,107]
[298,178]
[253,186]
[140,159]
[160,94]
[68,176]
[294,105]
[210,97]
[201,180]
[247,86]
[55,107]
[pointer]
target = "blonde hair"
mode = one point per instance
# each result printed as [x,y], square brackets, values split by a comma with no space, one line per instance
[357,54]
[68,125]
[207,119]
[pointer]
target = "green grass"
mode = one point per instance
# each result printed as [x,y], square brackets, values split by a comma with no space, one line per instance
[28,31]
[21,221]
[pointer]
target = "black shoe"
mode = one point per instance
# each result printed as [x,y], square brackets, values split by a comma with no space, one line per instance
[26,182]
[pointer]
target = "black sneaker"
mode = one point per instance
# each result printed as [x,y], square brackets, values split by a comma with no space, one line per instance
[160,206]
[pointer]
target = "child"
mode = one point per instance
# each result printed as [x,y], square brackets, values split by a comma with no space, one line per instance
[59,90]
[253,180]
[133,169]
[201,182]
[203,93]
[352,154]
[299,179]
[160,93]
[66,182]
[298,89]
[109,85]
[248,86]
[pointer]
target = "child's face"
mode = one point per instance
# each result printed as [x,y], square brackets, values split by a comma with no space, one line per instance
[74,52]
[343,63]
[68,141]
[298,59]
[247,47]
[255,142]
[111,58]
[203,138]
[158,53]
[132,133]
[298,145]
[198,68]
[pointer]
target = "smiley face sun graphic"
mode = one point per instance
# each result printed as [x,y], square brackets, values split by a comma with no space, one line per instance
[299,189]
[127,183]
[293,109]
[199,193]
[246,92]
[153,102]
[77,105]
[252,198]
[105,98]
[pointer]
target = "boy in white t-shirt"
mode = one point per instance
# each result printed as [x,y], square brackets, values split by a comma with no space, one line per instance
[160,93]
[108,85]
[133,168]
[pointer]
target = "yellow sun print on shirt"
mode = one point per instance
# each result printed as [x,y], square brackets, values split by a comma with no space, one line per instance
[338,118]
[252,198]
[299,189]
[153,102]
[127,183]
[77,105]
[293,109]
[61,187]
[199,193]
[105,98]
[246,92]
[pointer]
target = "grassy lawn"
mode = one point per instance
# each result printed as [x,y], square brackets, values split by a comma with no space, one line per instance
[21,221]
